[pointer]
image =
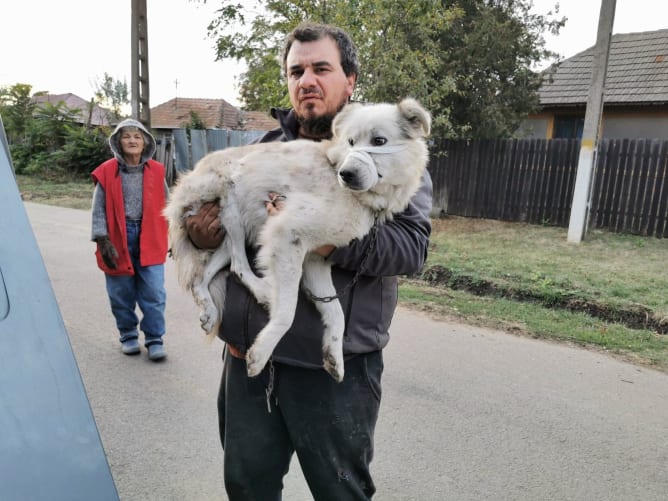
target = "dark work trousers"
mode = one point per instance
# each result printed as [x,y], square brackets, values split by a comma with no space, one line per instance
[329,425]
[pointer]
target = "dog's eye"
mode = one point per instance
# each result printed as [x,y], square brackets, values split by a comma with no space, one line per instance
[351,142]
[378,141]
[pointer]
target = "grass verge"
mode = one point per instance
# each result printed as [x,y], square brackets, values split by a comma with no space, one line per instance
[75,194]
[607,293]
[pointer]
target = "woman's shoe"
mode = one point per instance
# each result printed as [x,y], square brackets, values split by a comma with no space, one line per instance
[130,346]
[156,352]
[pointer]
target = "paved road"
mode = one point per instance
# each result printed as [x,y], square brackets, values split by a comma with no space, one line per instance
[467,414]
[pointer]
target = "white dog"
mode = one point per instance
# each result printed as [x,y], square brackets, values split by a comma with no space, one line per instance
[334,191]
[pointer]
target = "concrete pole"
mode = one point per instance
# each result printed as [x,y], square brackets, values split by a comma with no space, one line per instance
[139,95]
[577,226]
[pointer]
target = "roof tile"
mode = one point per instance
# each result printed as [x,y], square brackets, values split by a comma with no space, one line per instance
[215,113]
[637,72]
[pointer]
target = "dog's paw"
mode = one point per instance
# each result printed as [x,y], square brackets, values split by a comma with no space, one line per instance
[333,365]
[207,318]
[255,361]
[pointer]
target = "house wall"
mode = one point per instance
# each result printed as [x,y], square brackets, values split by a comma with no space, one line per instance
[617,124]
[536,128]
[635,127]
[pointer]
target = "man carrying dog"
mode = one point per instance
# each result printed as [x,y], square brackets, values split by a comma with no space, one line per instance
[294,405]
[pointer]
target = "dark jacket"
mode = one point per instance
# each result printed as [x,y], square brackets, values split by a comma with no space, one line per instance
[400,249]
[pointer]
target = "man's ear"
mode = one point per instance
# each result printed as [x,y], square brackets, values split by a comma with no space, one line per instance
[417,120]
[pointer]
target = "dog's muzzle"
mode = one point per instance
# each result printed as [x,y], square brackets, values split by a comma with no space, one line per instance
[359,166]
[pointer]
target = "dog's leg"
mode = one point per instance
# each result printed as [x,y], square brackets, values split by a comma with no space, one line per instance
[231,221]
[210,316]
[318,280]
[281,257]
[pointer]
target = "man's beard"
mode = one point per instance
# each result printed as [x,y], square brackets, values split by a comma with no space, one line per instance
[316,127]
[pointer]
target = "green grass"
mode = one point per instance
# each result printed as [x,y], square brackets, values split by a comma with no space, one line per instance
[75,194]
[619,274]
[528,271]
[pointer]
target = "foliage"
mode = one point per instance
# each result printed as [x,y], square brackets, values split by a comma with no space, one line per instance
[113,95]
[468,61]
[16,109]
[84,150]
[195,123]
[46,139]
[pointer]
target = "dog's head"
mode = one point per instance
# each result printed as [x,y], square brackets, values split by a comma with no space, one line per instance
[378,147]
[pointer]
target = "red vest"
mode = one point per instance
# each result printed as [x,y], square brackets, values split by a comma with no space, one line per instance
[153,243]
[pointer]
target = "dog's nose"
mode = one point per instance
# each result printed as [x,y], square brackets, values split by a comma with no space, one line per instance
[351,180]
[347,176]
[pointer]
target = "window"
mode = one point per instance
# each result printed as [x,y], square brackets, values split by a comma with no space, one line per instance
[568,127]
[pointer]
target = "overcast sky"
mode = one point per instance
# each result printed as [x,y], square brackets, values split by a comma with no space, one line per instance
[68,45]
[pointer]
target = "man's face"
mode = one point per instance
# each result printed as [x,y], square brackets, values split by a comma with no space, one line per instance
[317,84]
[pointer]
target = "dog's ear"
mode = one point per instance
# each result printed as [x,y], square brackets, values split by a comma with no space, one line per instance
[341,118]
[417,120]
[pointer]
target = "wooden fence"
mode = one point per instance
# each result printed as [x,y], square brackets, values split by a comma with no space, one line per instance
[523,180]
[532,181]
[179,154]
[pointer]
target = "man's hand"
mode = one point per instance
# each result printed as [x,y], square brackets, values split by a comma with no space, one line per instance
[275,203]
[204,228]
[108,252]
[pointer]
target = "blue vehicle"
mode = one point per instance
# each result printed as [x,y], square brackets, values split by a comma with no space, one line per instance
[50,448]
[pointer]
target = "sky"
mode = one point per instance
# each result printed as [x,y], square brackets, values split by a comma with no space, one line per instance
[68,45]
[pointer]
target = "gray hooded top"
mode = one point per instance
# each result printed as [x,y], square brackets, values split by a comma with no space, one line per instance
[131,179]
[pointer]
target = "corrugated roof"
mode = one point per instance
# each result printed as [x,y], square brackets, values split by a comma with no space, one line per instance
[637,73]
[215,113]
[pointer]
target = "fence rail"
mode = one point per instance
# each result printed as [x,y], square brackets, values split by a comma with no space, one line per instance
[532,181]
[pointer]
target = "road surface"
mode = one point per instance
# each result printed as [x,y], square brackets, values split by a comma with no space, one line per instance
[467,413]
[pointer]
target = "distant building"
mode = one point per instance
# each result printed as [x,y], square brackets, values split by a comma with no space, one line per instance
[225,126]
[635,98]
[89,114]
[214,113]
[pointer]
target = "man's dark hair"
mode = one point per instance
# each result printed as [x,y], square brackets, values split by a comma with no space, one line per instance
[311,32]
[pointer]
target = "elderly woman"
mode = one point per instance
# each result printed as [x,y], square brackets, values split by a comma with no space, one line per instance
[131,236]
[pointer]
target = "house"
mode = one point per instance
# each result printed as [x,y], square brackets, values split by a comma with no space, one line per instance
[636,91]
[224,124]
[88,114]
[214,113]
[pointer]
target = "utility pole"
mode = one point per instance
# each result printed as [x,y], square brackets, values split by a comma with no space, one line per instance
[579,219]
[139,46]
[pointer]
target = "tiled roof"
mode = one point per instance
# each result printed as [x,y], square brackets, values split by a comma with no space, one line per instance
[637,73]
[215,113]
[99,116]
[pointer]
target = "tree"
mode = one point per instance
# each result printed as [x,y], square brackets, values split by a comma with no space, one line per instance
[112,94]
[46,139]
[468,61]
[16,109]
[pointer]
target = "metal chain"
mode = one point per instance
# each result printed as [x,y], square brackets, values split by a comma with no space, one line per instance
[373,234]
[270,385]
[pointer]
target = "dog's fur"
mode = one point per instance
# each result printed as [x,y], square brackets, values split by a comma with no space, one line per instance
[334,190]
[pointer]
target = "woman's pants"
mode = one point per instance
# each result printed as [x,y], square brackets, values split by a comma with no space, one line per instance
[146,289]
